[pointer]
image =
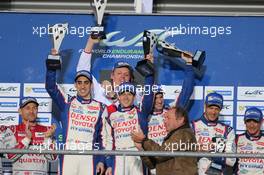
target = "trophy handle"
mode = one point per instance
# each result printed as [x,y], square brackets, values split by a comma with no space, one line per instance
[149,41]
[100,6]
[58,32]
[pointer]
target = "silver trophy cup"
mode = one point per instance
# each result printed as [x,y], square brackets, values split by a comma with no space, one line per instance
[97,32]
[57,33]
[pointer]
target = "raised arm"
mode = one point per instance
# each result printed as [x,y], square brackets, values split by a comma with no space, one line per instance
[84,63]
[86,56]
[188,83]
[53,90]
[148,94]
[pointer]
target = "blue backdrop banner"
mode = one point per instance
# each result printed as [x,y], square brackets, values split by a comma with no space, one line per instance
[233,48]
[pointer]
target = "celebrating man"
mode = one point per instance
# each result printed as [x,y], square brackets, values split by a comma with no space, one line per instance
[30,135]
[251,142]
[81,119]
[213,136]
[122,120]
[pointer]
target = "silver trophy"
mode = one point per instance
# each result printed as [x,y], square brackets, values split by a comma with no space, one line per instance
[145,67]
[57,33]
[97,32]
[170,50]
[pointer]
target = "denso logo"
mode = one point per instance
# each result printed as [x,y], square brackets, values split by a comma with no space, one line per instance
[255,92]
[9,89]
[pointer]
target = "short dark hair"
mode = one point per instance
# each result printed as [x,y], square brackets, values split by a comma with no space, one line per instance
[181,112]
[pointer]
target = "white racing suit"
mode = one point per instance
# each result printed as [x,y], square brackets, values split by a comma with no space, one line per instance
[205,131]
[117,133]
[250,145]
[119,125]
[82,124]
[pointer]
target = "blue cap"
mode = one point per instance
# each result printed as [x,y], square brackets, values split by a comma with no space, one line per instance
[214,99]
[122,64]
[25,100]
[85,73]
[126,87]
[254,114]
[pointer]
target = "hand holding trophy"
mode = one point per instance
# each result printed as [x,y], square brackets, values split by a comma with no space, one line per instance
[57,33]
[146,67]
[98,30]
[197,59]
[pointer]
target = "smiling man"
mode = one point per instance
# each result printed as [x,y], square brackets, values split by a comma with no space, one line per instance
[122,120]
[81,119]
[179,134]
[252,141]
[213,136]
[29,135]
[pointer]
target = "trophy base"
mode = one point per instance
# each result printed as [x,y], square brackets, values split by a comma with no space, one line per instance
[198,59]
[145,68]
[53,62]
[97,32]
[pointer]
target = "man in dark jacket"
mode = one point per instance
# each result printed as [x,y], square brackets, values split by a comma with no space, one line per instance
[180,138]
